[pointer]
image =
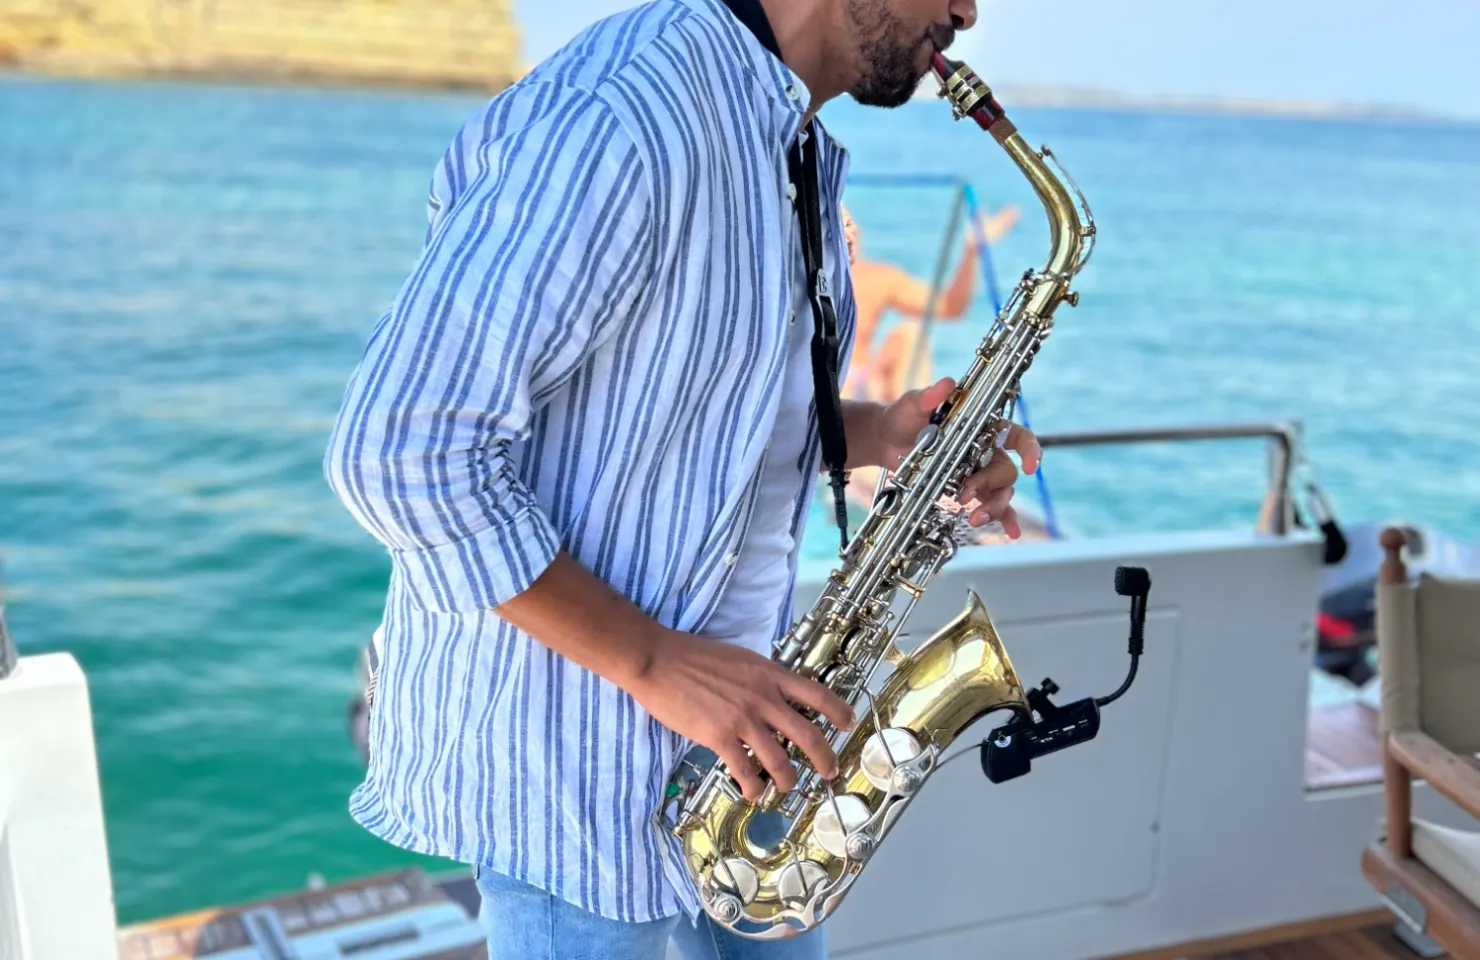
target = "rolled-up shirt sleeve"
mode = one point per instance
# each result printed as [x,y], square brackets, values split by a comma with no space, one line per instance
[537,252]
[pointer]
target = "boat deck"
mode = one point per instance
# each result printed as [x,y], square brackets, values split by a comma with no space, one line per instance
[386,915]
[1343,746]
[412,916]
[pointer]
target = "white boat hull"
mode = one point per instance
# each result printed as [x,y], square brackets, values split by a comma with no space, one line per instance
[1187,818]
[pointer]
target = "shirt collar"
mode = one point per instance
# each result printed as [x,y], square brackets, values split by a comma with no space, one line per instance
[779,82]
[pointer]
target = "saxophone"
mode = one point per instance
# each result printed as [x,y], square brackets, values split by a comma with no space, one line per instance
[782,865]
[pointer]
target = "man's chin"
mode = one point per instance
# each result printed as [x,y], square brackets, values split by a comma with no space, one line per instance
[893,89]
[886,95]
[896,78]
[873,98]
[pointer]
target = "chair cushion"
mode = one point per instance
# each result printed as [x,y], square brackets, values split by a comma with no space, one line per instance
[1448,617]
[1452,854]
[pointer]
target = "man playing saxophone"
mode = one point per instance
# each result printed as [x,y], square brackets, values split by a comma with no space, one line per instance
[586,431]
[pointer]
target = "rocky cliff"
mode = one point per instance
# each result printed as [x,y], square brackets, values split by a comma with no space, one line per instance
[437,43]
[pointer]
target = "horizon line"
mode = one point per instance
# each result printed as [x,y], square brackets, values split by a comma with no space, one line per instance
[1055,96]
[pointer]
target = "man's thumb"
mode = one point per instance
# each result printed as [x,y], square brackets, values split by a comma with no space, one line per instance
[934,395]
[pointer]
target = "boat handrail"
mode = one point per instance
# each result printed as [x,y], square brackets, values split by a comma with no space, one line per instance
[8,656]
[1283,436]
[1279,508]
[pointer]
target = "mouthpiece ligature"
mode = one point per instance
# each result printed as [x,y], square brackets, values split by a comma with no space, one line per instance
[968,94]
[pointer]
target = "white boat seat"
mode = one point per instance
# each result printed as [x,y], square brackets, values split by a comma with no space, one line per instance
[1452,854]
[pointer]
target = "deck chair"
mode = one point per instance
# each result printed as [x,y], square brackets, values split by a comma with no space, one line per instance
[1428,640]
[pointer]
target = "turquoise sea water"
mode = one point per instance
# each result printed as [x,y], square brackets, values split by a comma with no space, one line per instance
[187,274]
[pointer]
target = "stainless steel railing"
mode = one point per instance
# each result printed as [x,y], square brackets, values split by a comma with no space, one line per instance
[1278,512]
[7,646]
[1284,442]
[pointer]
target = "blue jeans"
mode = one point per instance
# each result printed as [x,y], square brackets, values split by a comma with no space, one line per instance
[524,922]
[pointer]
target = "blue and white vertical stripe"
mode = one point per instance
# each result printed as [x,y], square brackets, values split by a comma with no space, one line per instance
[586,358]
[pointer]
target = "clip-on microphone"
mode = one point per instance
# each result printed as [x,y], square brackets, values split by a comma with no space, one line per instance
[1009,751]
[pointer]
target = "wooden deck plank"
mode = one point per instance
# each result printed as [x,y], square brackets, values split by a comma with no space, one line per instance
[1371,943]
[1343,746]
[1361,936]
[204,934]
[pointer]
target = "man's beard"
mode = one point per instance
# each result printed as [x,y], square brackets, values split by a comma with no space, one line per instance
[890,55]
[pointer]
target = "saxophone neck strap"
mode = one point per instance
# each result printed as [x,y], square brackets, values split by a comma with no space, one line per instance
[802,163]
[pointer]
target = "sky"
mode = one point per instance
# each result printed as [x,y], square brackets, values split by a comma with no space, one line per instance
[1422,54]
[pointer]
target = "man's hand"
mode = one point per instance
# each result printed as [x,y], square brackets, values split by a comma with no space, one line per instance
[722,696]
[727,698]
[900,423]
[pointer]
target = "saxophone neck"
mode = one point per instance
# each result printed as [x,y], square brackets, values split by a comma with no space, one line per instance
[1070,220]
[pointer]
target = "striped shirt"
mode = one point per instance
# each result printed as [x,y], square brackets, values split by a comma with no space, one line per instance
[588,357]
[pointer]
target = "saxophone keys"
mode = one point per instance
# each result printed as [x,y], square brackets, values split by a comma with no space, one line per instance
[799,882]
[736,879]
[837,824]
[884,759]
[907,780]
[724,907]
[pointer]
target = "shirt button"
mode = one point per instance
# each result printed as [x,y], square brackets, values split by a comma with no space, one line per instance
[791,192]
[732,558]
[791,91]
[792,318]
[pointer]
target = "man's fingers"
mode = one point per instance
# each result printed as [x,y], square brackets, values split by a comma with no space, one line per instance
[1008,518]
[810,693]
[772,757]
[993,508]
[999,472]
[742,768]
[1022,440]
[1010,523]
[805,734]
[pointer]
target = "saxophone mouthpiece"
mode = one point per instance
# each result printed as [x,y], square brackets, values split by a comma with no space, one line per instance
[969,96]
[942,66]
